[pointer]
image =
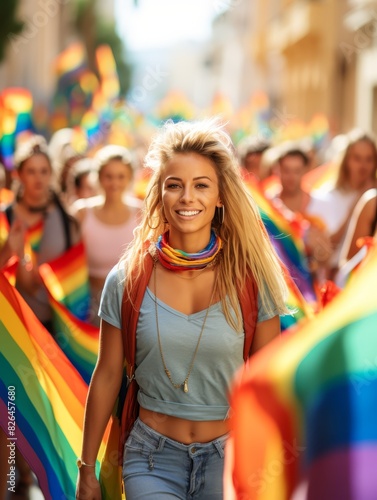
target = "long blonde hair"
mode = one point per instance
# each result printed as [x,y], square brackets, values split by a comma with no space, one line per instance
[246,246]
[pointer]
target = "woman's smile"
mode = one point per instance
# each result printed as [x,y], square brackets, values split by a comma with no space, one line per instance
[190,195]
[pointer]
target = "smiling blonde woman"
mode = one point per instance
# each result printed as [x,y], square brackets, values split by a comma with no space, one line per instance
[205,289]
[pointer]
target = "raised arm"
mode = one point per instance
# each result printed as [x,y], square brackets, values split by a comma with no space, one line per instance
[103,391]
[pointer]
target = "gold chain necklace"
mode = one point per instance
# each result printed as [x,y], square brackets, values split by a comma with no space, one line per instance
[199,272]
[167,371]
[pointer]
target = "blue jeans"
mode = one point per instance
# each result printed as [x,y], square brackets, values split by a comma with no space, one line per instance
[156,467]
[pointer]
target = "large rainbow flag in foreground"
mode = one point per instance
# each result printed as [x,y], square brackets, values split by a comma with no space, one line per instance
[305,408]
[48,396]
[45,395]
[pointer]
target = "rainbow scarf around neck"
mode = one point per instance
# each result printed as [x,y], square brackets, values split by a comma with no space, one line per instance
[178,260]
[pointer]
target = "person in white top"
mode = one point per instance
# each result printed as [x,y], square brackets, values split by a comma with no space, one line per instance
[107,222]
[363,223]
[357,173]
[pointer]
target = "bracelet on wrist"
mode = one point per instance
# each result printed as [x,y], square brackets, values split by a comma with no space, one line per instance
[80,463]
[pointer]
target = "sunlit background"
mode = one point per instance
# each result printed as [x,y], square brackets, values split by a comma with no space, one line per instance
[308,65]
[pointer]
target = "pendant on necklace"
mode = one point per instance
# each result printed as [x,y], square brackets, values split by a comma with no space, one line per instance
[185,386]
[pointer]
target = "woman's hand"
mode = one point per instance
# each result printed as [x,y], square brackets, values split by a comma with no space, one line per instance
[15,243]
[88,487]
[16,238]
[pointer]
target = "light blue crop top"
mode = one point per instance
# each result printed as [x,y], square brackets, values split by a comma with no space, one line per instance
[219,356]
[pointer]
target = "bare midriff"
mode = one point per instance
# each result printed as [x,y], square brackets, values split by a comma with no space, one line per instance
[184,431]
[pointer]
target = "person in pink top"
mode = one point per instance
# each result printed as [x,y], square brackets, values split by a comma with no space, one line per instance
[108,222]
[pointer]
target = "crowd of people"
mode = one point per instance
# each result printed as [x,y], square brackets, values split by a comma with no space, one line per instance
[184,255]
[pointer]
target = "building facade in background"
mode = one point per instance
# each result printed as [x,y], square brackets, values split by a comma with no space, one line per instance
[309,56]
[30,56]
[319,56]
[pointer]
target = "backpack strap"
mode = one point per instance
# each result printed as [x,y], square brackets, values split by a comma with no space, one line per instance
[248,298]
[129,410]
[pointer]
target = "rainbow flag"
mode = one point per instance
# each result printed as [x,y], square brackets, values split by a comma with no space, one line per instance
[319,129]
[34,235]
[67,279]
[107,70]
[287,241]
[46,394]
[90,125]
[77,339]
[301,309]
[322,177]
[71,60]
[43,391]
[20,101]
[15,117]
[175,106]
[305,408]
[10,269]
[8,122]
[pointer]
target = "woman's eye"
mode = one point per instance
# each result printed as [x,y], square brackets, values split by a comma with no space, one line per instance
[202,186]
[173,186]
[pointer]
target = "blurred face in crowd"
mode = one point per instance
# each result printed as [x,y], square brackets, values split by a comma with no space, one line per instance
[85,186]
[35,174]
[115,177]
[291,169]
[252,163]
[361,165]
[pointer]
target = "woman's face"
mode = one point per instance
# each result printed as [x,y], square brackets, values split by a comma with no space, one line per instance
[361,165]
[115,178]
[35,175]
[190,195]
[86,187]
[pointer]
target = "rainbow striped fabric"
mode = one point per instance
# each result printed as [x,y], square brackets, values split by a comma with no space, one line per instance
[66,279]
[77,339]
[107,70]
[286,239]
[10,269]
[70,60]
[305,408]
[301,309]
[49,396]
[15,117]
[34,236]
